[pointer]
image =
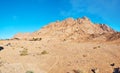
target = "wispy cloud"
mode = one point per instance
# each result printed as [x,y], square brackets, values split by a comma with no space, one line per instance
[96,7]
[75,8]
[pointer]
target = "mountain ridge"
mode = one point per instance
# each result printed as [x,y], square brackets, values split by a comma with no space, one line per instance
[72,29]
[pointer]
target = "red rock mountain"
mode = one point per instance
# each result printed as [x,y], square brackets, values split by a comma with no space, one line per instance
[80,29]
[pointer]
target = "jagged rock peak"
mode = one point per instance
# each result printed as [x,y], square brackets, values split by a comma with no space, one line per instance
[85,18]
[72,19]
[69,19]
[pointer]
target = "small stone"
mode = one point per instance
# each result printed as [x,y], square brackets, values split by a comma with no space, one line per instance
[8,44]
[95,70]
[113,64]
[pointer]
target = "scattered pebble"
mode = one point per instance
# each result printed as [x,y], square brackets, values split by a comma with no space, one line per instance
[95,70]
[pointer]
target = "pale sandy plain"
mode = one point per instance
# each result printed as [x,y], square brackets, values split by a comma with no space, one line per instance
[61,57]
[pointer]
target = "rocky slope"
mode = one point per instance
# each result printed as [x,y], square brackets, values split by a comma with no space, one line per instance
[81,29]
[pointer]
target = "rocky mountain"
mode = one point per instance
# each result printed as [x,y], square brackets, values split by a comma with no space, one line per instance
[81,29]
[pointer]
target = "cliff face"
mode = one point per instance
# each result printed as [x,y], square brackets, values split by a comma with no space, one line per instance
[70,29]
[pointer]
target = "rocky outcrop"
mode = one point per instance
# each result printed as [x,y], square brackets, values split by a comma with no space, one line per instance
[73,29]
[22,36]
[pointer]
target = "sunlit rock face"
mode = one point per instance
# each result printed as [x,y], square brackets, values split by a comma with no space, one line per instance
[71,29]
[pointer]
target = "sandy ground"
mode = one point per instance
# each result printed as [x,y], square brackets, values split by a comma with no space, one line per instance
[58,57]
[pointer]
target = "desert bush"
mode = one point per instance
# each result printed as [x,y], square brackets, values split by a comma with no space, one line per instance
[13,48]
[96,47]
[44,52]
[77,71]
[36,39]
[24,52]
[84,55]
[16,39]
[29,72]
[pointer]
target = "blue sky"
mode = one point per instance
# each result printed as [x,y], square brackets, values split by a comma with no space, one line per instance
[30,15]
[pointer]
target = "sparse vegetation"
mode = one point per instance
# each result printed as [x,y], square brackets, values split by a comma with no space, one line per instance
[36,39]
[77,71]
[64,39]
[16,39]
[96,47]
[24,52]
[29,72]
[22,47]
[44,52]
[84,55]
[13,48]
